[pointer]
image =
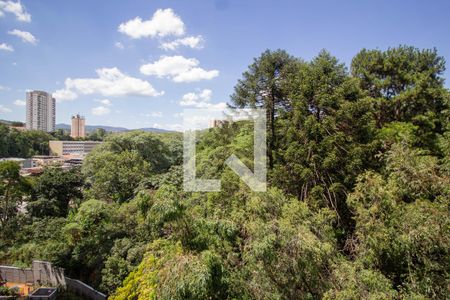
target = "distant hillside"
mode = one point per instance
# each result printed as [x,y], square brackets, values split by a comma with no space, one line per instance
[91,128]
[12,123]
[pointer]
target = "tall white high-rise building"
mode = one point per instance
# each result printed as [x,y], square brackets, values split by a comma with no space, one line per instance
[40,111]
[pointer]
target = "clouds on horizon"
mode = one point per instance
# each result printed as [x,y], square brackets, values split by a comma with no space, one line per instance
[25,36]
[106,102]
[111,82]
[15,8]
[6,47]
[4,109]
[200,99]
[100,110]
[20,102]
[194,42]
[165,26]
[164,22]
[178,69]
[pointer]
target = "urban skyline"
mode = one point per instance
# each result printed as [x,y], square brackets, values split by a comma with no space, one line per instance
[135,78]
[253,149]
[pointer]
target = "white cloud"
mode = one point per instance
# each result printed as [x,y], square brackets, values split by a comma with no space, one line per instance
[195,42]
[201,100]
[19,102]
[119,45]
[163,23]
[6,47]
[153,114]
[100,111]
[111,82]
[15,8]
[106,102]
[179,69]
[4,109]
[64,95]
[173,127]
[193,99]
[25,36]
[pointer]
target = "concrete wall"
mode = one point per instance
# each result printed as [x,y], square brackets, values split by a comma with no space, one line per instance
[13,274]
[45,273]
[83,289]
[41,273]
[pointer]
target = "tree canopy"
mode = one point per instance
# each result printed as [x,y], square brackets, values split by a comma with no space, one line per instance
[357,205]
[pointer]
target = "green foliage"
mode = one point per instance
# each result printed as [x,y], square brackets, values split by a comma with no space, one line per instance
[262,86]
[357,205]
[402,224]
[43,240]
[5,291]
[124,257]
[98,135]
[12,189]
[406,84]
[62,135]
[15,143]
[90,235]
[141,283]
[125,161]
[114,176]
[148,145]
[326,137]
[54,190]
[351,281]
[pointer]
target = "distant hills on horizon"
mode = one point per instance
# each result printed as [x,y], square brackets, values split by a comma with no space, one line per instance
[91,128]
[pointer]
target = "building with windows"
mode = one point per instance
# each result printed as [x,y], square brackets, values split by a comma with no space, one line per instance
[78,127]
[81,148]
[40,110]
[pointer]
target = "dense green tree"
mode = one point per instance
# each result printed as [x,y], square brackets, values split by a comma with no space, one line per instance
[62,135]
[326,137]
[148,145]
[402,224]
[262,87]
[98,135]
[54,190]
[114,176]
[124,256]
[405,84]
[90,234]
[15,143]
[356,208]
[12,190]
[42,239]
[351,281]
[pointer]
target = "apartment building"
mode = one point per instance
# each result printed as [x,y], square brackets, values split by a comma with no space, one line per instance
[40,111]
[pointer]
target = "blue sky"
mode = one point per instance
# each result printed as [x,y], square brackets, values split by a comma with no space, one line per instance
[139,63]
